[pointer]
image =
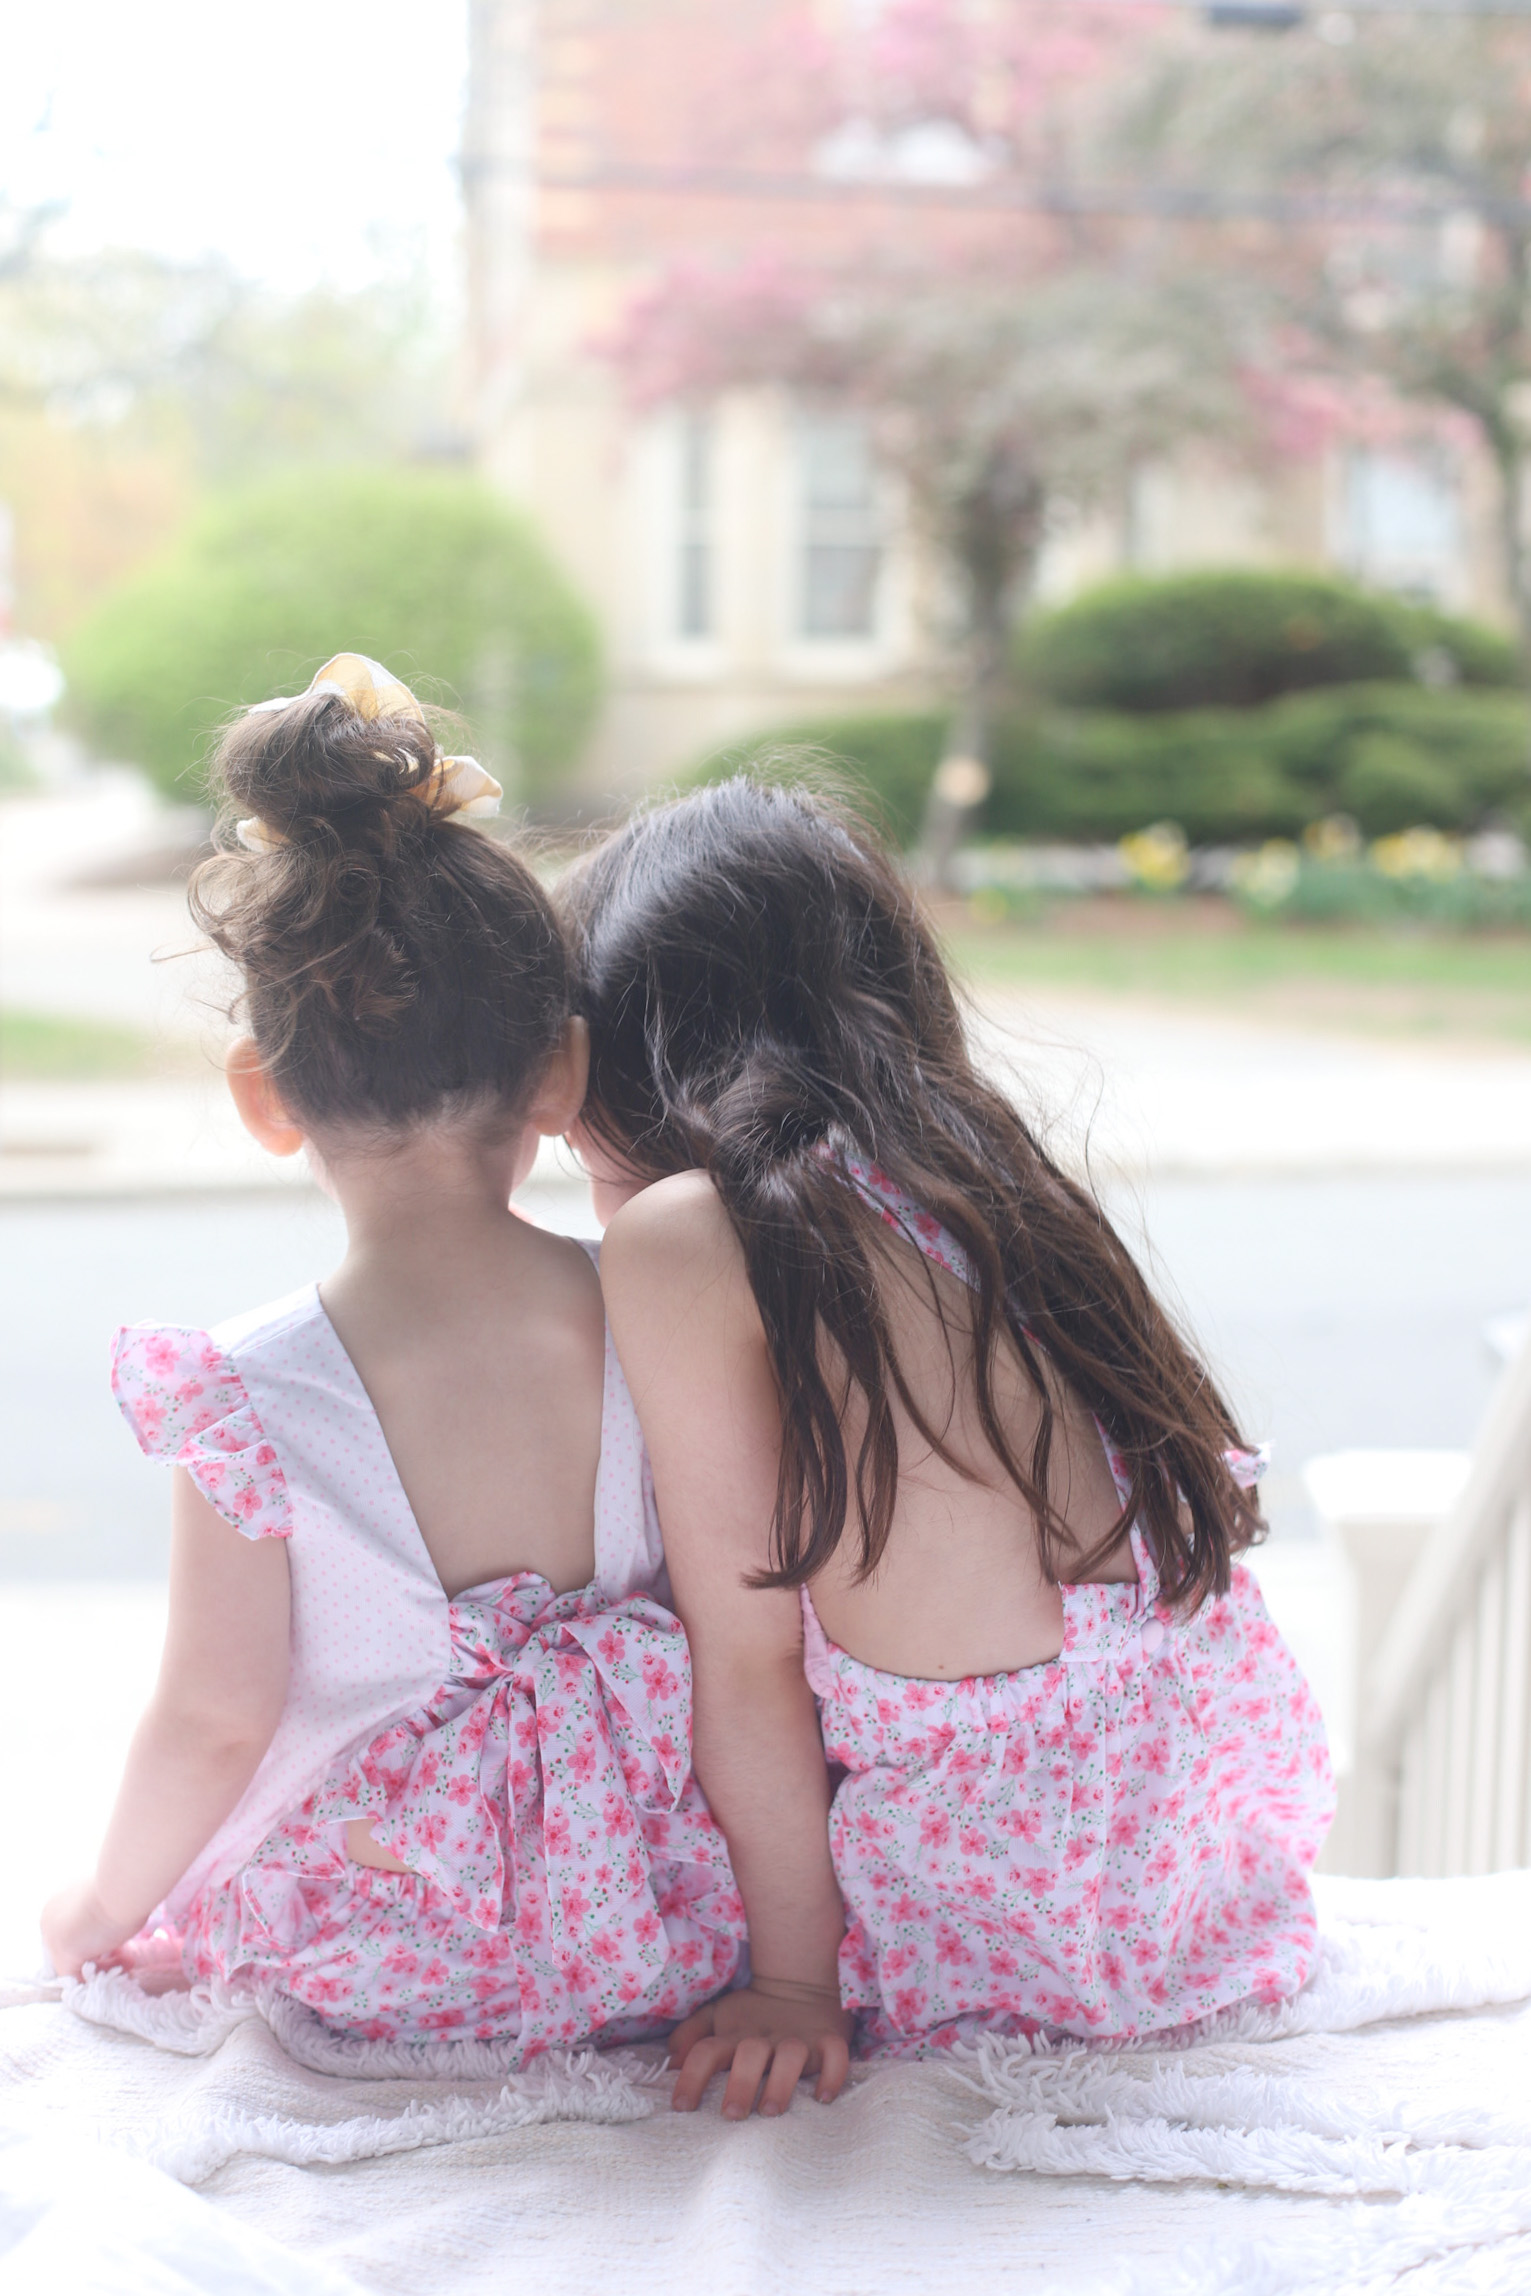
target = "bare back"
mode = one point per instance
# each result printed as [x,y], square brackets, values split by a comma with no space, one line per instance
[482,1348]
[960,1589]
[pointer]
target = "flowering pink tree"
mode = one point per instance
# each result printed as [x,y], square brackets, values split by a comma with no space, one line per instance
[1009,352]
[1376,174]
[992,400]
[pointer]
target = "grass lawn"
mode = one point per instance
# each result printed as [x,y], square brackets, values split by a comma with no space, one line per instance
[1446,986]
[45,1047]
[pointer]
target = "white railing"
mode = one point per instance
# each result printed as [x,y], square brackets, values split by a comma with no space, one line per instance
[1442,1779]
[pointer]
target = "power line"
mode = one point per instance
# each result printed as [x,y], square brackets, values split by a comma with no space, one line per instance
[1192,203]
[1288,15]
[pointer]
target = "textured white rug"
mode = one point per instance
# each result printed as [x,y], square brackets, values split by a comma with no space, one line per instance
[1373,2135]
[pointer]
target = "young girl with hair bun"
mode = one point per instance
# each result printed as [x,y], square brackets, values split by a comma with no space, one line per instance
[418,1757]
[946,1495]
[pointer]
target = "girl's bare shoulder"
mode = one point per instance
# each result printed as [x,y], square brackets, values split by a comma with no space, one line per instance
[673,1252]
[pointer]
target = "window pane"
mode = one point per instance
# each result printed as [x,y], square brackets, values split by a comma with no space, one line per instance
[693,600]
[841,529]
[1402,527]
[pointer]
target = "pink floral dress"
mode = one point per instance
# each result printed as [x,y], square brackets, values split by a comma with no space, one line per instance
[1109,1844]
[526,1754]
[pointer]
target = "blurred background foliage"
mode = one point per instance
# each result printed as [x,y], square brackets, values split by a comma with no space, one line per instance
[130,386]
[1235,638]
[215,484]
[1322,699]
[426,570]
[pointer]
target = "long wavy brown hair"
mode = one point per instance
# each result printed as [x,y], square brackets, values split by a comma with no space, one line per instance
[762,987]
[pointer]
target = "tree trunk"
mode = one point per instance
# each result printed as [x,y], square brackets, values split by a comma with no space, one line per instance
[998,544]
[1511,459]
[963,776]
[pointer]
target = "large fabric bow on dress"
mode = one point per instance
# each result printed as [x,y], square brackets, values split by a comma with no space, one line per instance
[536,1789]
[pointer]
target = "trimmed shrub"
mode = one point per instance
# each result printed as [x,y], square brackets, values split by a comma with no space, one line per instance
[1389,755]
[1388,782]
[1239,638]
[1094,775]
[892,758]
[428,571]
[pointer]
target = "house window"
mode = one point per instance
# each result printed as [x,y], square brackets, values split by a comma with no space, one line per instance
[841,528]
[694,550]
[1401,523]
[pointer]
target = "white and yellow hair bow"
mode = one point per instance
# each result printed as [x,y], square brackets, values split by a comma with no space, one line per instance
[453,785]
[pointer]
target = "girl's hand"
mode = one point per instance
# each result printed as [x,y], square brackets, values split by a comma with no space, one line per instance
[764,2033]
[77,1928]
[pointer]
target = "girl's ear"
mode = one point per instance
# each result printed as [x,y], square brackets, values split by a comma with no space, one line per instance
[262,1111]
[561,1094]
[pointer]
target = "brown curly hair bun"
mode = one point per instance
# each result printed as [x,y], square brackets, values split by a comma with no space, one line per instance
[397,963]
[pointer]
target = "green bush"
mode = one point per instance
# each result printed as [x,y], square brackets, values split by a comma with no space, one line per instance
[1389,782]
[427,571]
[1357,892]
[1389,755]
[890,760]
[1094,775]
[1234,639]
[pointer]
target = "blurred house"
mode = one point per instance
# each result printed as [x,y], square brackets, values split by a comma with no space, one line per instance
[746,559]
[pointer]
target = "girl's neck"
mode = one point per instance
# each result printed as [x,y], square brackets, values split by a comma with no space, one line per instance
[441,1190]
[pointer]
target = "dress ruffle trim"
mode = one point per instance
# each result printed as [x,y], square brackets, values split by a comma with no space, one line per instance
[187,1405]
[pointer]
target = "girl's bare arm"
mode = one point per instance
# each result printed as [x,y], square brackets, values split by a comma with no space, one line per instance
[222,1682]
[690,1340]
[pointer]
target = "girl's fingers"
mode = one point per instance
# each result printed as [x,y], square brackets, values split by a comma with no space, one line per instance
[683,2040]
[703,2059]
[786,2071]
[834,2067]
[751,2059]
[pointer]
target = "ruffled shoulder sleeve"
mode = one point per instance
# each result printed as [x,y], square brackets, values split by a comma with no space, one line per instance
[187,1405]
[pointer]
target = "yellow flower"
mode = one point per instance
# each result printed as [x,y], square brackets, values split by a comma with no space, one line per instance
[1269,876]
[1418,853]
[1335,838]
[1156,856]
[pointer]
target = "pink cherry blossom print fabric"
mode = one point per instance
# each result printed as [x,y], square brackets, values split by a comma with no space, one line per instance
[187,1404]
[566,1878]
[1112,1844]
[526,1754]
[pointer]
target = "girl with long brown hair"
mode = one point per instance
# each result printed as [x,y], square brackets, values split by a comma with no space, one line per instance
[947,1496]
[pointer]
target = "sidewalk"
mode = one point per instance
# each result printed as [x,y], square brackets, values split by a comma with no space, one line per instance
[1141,1094]
[1160,1094]
[172,1137]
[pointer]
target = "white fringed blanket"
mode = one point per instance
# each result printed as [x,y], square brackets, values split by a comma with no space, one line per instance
[1373,2135]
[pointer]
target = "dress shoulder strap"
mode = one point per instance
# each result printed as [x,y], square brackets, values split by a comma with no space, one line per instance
[629,1550]
[906,1217]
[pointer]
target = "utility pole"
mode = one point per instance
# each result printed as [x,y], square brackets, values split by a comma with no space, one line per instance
[499,181]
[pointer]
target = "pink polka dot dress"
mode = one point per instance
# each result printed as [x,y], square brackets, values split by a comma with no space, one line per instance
[1110,1844]
[526,1754]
